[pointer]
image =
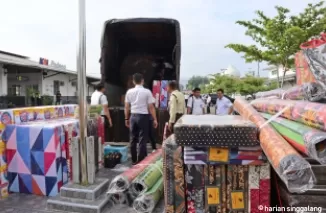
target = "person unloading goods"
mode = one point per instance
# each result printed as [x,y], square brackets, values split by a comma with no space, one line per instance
[223,105]
[139,104]
[177,106]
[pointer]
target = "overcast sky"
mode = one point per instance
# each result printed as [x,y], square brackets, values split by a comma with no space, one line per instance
[48,28]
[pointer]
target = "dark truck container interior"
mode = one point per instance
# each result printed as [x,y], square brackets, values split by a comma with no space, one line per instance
[145,45]
[150,46]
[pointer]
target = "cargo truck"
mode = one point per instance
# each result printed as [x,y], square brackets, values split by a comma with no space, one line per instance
[151,46]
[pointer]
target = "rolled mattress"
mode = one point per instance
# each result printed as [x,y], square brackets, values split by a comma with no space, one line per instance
[212,130]
[290,166]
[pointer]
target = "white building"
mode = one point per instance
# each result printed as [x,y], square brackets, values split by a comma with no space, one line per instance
[289,78]
[19,73]
[231,71]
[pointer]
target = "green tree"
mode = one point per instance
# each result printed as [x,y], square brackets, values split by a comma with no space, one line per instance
[197,81]
[250,85]
[225,82]
[278,38]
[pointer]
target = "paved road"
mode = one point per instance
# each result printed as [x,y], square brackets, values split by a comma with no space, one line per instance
[26,203]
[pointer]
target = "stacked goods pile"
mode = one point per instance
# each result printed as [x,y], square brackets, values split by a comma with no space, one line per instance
[315,56]
[174,177]
[141,186]
[310,65]
[302,124]
[290,166]
[215,165]
[311,91]
[36,141]
[305,139]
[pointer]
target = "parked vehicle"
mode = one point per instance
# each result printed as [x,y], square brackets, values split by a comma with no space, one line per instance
[150,46]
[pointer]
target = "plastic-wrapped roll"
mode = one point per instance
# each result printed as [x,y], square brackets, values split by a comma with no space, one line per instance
[276,93]
[294,170]
[305,139]
[148,201]
[147,178]
[308,113]
[308,91]
[122,182]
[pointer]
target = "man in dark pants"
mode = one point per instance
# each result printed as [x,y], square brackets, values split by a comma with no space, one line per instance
[152,134]
[140,103]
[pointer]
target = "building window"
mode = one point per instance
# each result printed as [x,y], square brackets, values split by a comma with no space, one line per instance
[16,90]
[56,87]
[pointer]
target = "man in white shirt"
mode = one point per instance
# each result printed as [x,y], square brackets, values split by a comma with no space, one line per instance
[139,104]
[98,98]
[196,105]
[223,104]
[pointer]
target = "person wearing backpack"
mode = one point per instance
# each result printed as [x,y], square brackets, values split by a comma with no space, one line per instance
[196,105]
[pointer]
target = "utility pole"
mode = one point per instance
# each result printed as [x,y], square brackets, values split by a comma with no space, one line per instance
[81,76]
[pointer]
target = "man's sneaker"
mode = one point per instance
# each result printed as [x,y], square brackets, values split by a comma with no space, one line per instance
[154,150]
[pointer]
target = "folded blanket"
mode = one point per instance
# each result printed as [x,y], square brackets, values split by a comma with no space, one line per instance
[227,188]
[205,155]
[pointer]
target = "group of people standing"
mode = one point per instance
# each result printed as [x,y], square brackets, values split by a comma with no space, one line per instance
[140,113]
[196,104]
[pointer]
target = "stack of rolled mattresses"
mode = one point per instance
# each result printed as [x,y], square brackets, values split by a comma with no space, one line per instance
[287,162]
[302,125]
[141,186]
[312,91]
[215,164]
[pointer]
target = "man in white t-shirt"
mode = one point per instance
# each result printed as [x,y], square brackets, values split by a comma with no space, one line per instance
[196,105]
[139,106]
[98,98]
[223,105]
